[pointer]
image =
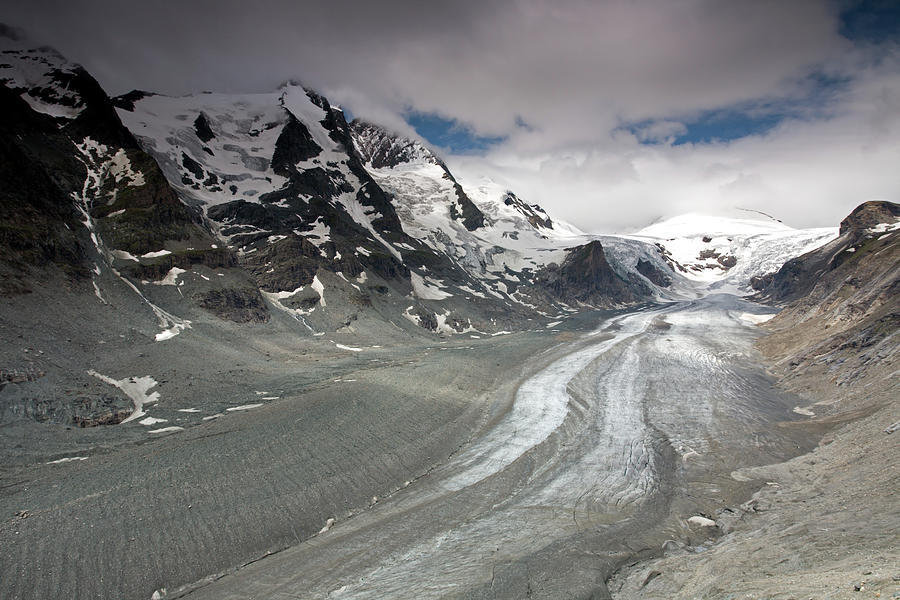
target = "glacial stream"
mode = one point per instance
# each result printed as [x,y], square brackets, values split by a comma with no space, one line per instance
[611,443]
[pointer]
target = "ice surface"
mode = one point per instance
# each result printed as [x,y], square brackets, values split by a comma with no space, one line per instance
[540,406]
[125,255]
[701,521]
[26,67]
[704,244]
[754,318]
[120,169]
[328,524]
[97,292]
[319,288]
[319,234]
[246,127]
[168,334]
[885,227]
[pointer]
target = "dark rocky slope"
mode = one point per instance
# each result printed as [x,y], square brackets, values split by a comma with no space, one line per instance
[39,225]
[586,277]
[79,193]
[798,276]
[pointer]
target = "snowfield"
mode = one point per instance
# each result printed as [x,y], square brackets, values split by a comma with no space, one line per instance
[702,247]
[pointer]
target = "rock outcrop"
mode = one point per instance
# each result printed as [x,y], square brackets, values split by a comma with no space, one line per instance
[586,277]
[859,233]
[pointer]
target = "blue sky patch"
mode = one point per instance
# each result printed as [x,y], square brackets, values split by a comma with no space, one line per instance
[871,21]
[449,134]
[725,124]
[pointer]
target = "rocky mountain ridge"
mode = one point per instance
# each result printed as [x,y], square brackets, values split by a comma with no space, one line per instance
[74,171]
[843,297]
[798,276]
[297,191]
[293,195]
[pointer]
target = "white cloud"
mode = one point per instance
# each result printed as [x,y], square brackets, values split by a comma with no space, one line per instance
[661,131]
[574,71]
[806,172]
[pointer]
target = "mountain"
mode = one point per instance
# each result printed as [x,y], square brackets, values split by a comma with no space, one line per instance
[280,180]
[798,276]
[842,300]
[511,248]
[73,171]
[586,277]
[834,344]
[302,196]
[294,200]
[152,218]
[727,253]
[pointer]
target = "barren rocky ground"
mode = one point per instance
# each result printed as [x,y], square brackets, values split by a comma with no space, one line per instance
[825,524]
[320,431]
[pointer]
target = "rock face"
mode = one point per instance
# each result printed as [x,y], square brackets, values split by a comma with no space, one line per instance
[849,312]
[383,150]
[81,411]
[587,277]
[654,274]
[40,225]
[78,190]
[238,305]
[536,215]
[859,236]
[871,215]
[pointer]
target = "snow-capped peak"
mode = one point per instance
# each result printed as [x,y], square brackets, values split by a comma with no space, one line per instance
[696,224]
[725,253]
[42,76]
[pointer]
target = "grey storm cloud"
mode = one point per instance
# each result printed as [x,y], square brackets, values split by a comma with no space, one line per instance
[574,71]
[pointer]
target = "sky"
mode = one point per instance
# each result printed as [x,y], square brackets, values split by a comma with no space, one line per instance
[610,114]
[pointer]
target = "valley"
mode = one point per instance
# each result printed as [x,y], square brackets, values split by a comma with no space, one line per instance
[252,347]
[601,458]
[492,478]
